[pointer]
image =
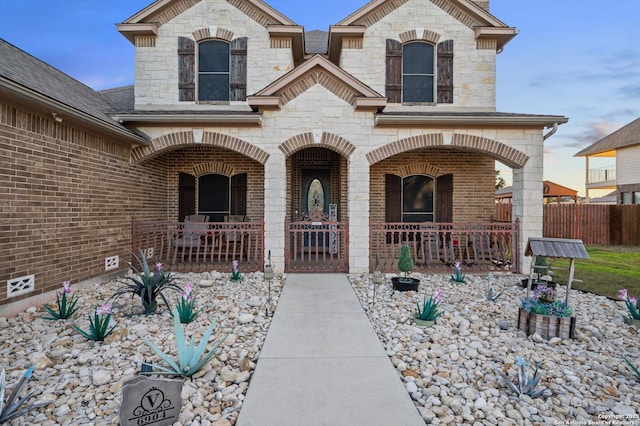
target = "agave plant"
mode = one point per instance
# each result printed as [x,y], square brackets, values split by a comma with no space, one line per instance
[633,368]
[190,358]
[147,285]
[11,409]
[526,384]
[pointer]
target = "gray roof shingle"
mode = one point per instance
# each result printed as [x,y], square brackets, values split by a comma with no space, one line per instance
[31,73]
[628,135]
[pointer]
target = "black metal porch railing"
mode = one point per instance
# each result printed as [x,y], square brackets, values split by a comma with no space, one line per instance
[201,246]
[436,247]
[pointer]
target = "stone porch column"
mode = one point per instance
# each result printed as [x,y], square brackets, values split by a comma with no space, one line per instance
[275,205]
[358,213]
[527,204]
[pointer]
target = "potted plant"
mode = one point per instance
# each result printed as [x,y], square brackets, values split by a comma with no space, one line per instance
[548,319]
[405,265]
[427,314]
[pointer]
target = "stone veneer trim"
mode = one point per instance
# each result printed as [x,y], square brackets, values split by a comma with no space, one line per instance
[328,140]
[176,140]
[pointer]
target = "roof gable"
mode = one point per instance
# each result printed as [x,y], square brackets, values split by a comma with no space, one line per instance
[626,136]
[486,26]
[148,20]
[320,70]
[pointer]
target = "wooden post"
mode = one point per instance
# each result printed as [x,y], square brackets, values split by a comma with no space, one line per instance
[569,280]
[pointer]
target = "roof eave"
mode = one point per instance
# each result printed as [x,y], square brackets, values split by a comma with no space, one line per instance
[64,111]
[475,120]
[296,33]
[131,31]
[242,120]
[336,34]
[502,35]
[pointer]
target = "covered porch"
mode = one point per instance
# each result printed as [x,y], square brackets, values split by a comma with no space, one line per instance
[437,247]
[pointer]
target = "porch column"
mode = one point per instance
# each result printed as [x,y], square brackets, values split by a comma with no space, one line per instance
[527,203]
[275,208]
[358,213]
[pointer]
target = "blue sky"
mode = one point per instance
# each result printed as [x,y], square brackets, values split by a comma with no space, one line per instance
[577,58]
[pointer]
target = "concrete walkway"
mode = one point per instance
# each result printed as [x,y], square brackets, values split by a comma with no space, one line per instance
[322,363]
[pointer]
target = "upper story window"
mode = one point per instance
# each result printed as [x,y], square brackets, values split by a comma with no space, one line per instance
[221,70]
[417,72]
[213,71]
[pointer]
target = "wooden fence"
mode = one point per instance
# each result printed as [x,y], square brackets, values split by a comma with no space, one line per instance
[592,223]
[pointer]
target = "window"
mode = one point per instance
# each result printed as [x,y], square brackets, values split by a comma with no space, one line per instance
[214,194]
[417,72]
[417,199]
[213,71]
[221,195]
[221,70]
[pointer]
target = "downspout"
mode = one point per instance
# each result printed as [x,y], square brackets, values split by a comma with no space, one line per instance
[550,132]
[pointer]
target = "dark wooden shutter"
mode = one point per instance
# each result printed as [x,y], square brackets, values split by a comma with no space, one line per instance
[445,72]
[186,69]
[238,69]
[444,198]
[186,195]
[239,194]
[393,83]
[393,198]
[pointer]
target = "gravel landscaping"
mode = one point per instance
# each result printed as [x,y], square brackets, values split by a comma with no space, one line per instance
[448,368]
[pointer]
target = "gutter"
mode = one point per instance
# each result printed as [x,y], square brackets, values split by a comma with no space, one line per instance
[550,132]
[395,120]
[61,110]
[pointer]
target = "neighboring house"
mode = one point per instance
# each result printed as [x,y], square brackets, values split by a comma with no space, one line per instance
[551,192]
[624,146]
[322,149]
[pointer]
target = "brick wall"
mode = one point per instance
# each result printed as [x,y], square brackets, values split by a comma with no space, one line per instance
[473,182]
[67,201]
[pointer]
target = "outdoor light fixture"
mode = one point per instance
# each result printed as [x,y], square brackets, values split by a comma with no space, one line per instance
[268,275]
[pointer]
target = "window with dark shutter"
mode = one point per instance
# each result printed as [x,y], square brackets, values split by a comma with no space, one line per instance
[417,198]
[445,72]
[393,198]
[444,197]
[417,72]
[214,196]
[186,69]
[393,83]
[213,71]
[238,71]
[239,194]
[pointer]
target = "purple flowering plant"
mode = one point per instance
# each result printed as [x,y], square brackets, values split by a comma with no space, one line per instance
[186,305]
[631,302]
[65,304]
[458,276]
[99,324]
[429,309]
[235,271]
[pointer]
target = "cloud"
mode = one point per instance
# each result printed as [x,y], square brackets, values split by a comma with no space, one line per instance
[593,132]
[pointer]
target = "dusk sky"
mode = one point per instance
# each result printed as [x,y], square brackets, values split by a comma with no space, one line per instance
[576,58]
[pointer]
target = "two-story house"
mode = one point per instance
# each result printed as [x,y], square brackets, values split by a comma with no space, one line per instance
[623,176]
[325,150]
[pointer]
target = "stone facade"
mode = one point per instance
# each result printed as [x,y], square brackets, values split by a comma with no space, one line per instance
[73,193]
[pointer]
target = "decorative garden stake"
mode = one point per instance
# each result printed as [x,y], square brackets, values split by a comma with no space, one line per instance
[65,307]
[235,271]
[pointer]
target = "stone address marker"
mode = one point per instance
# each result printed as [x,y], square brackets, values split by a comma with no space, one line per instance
[150,401]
